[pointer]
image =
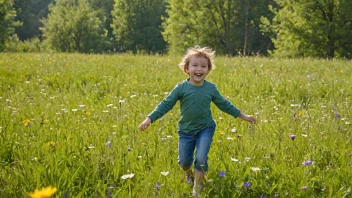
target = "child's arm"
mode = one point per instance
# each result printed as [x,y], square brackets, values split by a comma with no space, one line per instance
[247,118]
[145,124]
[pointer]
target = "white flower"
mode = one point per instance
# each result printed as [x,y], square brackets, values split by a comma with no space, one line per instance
[247,159]
[234,130]
[74,110]
[81,106]
[91,147]
[234,159]
[122,101]
[304,135]
[128,176]
[109,105]
[255,169]
[229,138]
[165,173]
[134,95]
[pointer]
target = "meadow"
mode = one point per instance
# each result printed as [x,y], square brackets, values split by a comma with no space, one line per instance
[70,121]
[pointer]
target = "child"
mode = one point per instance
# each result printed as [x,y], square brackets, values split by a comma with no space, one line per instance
[196,126]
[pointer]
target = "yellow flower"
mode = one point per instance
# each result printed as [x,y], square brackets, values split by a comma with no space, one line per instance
[44,121]
[51,144]
[43,193]
[222,132]
[26,122]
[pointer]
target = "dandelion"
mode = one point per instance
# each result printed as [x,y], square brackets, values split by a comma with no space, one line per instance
[44,121]
[46,192]
[165,173]
[222,174]
[307,163]
[304,188]
[247,184]
[26,123]
[292,137]
[128,176]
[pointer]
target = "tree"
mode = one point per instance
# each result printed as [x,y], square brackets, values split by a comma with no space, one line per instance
[29,12]
[7,23]
[229,26]
[73,26]
[315,28]
[137,25]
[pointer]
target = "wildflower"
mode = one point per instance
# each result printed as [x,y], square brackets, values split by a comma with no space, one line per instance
[337,115]
[231,138]
[46,192]
[261,196]
[74,110]
[247,184]
[304,188]
[44,121]
[129,149]
[234,159]
[109,105]
[247,159]
[157,186]
[128,176]
[122,101]
[26,123]
[292,137]
[304,135]
[222,132]
[165,173]
[255,169]
[222,174]
[276,195]
[51,144]
[108,143]
[307,163]
[91,147]
[234,130]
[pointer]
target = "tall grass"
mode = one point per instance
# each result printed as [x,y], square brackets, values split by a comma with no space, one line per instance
[71,121]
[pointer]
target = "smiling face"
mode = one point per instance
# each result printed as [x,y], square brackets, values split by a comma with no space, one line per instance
[197,70]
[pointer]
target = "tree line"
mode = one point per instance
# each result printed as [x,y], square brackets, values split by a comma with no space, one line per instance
[285,28]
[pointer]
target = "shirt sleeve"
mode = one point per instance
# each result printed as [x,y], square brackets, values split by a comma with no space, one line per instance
[224,105]
[165,105]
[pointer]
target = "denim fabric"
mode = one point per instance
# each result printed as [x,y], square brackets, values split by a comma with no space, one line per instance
[200,143]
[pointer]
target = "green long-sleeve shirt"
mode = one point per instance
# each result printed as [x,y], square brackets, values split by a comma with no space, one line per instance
[195,105]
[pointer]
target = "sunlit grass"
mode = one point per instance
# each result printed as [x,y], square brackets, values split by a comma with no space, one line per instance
[71,121]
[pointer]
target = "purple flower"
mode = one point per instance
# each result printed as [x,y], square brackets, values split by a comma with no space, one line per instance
[337,115]
[292,137]
[157,186]
[222,174]
[129,149]
[307,163]
[108,143]
[304,188]
[247,184]
[261,196]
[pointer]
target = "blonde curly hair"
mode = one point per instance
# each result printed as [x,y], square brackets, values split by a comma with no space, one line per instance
[197,51]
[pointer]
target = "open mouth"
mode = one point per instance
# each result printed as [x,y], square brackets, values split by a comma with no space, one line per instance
[199,75]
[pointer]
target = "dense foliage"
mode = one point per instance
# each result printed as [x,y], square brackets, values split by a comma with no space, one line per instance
[287,28]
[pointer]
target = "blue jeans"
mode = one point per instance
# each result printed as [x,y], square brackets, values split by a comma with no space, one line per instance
[201,143]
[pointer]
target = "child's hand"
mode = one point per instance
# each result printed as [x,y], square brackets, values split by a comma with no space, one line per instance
[145,124]
[247,118]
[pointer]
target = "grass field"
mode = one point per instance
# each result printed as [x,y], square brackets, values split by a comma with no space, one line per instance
[71,121]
